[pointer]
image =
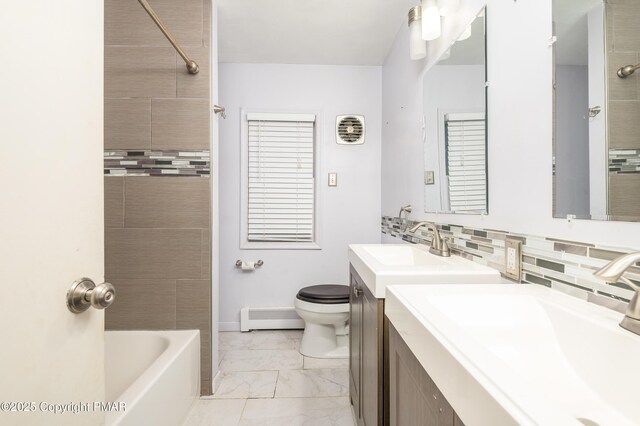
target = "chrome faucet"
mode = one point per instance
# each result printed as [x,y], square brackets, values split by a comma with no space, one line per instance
[612,273]
[405,209]
[439,246]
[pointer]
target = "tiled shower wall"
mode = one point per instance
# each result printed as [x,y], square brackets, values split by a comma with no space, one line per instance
[623,48]
[157,236]
[567,266]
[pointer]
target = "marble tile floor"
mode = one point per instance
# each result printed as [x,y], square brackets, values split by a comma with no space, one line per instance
[266,381]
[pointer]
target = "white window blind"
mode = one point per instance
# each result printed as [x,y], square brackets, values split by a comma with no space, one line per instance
[281,178]
[466,161]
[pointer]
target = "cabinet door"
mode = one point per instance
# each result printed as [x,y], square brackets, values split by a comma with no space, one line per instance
[355,344]
[415,399]
[371,359]
[457,421]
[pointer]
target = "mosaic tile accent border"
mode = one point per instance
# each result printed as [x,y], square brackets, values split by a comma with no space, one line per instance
[624,161]
[157,163]
[567,266]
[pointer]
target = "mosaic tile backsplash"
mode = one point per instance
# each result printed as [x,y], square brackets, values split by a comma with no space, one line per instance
[567,266]
[624,161]
[156,163]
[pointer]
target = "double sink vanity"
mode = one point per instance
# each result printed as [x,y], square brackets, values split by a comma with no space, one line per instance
[437,340]
[446,341]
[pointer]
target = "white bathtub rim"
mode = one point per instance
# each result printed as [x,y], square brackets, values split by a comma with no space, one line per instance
[147,379]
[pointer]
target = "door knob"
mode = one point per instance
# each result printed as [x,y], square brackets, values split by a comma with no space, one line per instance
[84,293]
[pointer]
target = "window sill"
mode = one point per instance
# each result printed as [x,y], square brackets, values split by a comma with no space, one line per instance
[279,246]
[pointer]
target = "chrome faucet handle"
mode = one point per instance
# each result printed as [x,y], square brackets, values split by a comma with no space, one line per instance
[445,243]
[439,245]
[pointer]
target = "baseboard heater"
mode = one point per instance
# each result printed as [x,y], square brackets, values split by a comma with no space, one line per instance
[269,319]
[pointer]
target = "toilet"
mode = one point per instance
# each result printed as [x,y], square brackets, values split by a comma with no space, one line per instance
[325,311]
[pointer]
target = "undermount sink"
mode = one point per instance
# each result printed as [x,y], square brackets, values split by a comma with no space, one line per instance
[521,354]
[380,265]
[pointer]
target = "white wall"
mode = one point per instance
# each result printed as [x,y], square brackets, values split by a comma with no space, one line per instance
[520,131]
[350,213]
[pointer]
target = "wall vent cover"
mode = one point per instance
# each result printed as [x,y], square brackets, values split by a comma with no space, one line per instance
[350,129]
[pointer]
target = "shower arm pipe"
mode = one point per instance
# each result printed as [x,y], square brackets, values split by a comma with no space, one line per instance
[192,66]
[627,70]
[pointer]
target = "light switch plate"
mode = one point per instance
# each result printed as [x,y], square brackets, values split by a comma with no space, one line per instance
[333,179]
[429,178]
[513,259]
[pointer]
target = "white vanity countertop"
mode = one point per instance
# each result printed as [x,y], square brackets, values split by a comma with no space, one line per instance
[380,265]
[521,354]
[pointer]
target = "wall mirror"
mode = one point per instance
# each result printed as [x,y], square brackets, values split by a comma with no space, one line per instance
[596,147]
[455,123]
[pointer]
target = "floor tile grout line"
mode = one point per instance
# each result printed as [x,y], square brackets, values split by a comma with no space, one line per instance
[242,412]
[275,387]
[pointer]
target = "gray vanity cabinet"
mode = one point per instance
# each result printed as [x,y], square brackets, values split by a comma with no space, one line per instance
[415,400]
[366,360]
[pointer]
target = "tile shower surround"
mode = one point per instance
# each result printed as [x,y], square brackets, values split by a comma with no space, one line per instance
[567,266]
[157,118]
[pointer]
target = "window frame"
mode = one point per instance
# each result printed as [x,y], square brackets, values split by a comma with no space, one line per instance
[245,244]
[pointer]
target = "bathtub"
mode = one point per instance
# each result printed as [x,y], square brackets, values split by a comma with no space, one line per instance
[156,373]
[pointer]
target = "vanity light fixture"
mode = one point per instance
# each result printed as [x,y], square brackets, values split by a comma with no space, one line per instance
[431,27]
[417,46]
[448,7]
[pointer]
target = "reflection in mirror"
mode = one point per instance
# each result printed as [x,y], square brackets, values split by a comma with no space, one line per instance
[596,163]
[580,141]
[455,142]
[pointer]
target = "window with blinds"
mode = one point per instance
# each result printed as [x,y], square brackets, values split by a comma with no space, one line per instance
[466,160]
[280,184]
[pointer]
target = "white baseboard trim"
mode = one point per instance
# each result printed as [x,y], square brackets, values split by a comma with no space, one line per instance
[270,318]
